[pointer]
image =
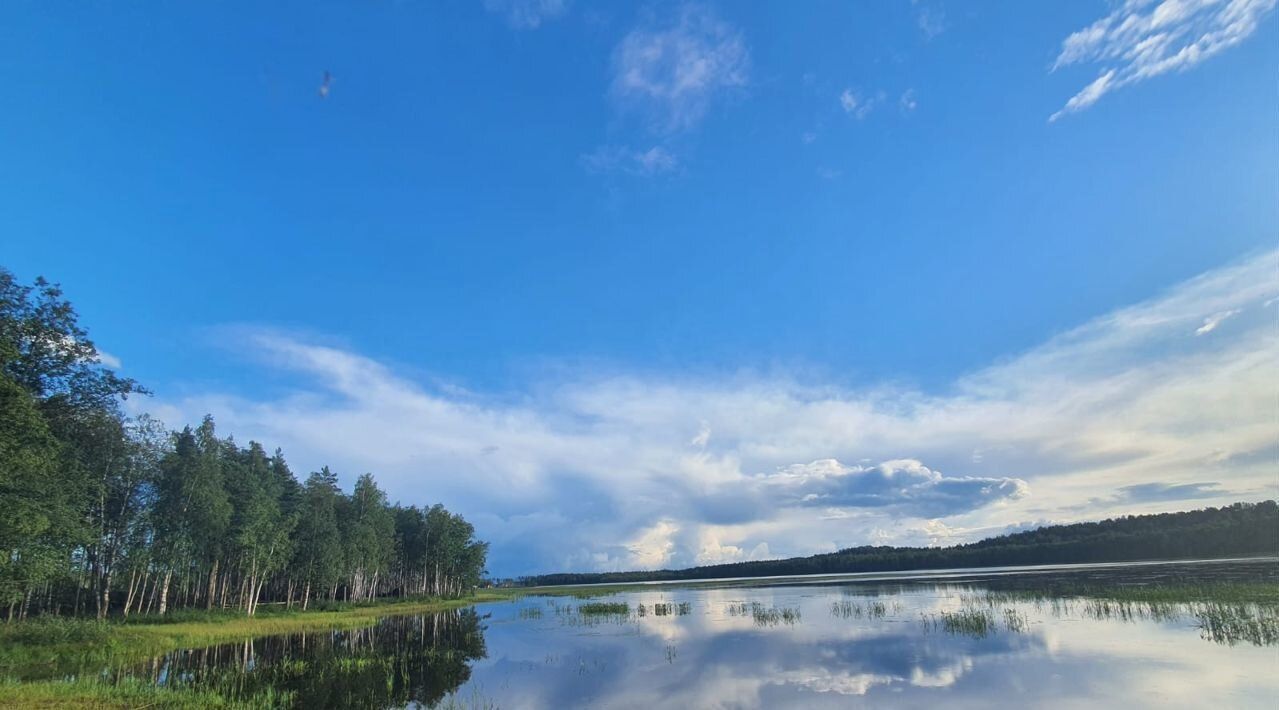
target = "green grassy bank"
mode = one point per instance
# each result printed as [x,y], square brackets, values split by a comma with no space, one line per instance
[32,647]
[45,641]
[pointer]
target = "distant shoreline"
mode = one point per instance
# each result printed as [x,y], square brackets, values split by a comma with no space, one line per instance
[1240,530]
[914,574]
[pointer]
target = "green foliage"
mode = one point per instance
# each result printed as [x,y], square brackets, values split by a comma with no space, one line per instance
[123,694]
[590,608]
[35,514]
[105,514]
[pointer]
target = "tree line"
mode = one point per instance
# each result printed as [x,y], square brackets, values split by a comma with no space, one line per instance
[1238,530]
[104,513]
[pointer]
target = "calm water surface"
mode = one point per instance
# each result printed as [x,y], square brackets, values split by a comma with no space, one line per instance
[971,639]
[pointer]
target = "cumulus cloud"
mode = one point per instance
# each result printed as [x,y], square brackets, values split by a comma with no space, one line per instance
[672,72]
[526,14]
[616,471]
[1142,39]
[630,161]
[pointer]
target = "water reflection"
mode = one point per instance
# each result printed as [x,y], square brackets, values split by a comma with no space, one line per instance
[978,640]
[401,660]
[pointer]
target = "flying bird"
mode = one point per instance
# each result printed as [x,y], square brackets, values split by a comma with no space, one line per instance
[324,86]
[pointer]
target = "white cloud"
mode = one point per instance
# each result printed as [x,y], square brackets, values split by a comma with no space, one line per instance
[672,72]
[848,101]
[931,21]
[526,14]
[109,360]
[1088,96]
[1141,39]
[1125,413]
[1211,322]
[905,485]
[703,436]
[621,159]
[856,105]
[908,101]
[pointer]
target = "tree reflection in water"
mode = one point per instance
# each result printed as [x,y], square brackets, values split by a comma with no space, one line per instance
[419,659]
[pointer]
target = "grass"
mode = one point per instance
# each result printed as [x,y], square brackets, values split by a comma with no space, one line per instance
[671,609]
[603,608]
[1225,612]
[774,616]
[40,643]
[127,693]
[39,646]
[970,622]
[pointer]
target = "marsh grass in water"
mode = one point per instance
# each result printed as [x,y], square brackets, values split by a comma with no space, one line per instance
[670,609]
[603,608]
[1229,614]
[978,623]
[773,616]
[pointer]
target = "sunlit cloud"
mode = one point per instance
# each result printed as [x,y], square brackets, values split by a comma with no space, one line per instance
[1129,412]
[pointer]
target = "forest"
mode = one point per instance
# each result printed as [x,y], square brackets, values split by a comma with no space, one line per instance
[1239,530]
[103,512]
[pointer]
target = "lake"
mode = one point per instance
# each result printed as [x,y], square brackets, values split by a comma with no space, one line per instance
[1043,637]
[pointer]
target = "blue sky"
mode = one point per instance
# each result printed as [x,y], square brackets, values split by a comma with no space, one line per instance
[641,279]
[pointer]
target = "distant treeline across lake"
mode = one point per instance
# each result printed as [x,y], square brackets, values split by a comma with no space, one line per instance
[1239,530]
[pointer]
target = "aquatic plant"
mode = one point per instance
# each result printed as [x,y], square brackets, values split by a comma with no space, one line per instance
[971,622]
[846,609]
[602,608]
[1015,621]
[774,616]
[1234,623]
[670,609]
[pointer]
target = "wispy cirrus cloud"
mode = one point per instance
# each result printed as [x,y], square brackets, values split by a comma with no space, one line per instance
[1129,412]
[1142,39]
[1211,322]
[930,20]
[630,161]
[526,14]
[672,71]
